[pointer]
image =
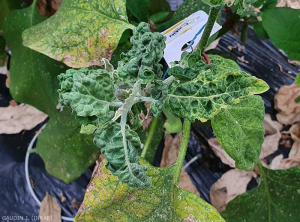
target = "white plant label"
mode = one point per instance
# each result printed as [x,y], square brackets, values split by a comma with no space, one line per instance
[180,34]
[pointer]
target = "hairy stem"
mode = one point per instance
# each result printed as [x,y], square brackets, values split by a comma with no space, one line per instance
[182,150]
[152,130]
[213,14]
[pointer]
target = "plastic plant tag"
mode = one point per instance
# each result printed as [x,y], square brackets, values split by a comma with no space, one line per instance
[180,35]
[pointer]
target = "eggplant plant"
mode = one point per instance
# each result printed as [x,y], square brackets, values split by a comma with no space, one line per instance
[107,101]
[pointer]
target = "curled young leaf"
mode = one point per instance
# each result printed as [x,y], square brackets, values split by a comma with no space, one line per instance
[159,92]
[142,60]
[243,6]
[121,154]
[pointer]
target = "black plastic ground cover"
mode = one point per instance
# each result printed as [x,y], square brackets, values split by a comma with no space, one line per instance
[15,199]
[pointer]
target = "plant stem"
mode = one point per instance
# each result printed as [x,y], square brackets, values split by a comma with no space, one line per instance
[187,124]
[152,130]
[213,14]
[182,150]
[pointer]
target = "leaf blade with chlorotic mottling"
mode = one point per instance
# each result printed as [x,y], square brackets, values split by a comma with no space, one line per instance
[81,33]
[33,80]
[107,199]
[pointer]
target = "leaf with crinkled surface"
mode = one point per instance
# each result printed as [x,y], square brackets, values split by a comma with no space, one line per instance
[240,131]
[107,199]
[33,80]
[213,89]
[243,6]
[143,58]
[121,154]
[276,199]
[81,33]
[191,65]
[87,92]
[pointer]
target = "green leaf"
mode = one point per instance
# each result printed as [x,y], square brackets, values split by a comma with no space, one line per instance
[87,92]
[189,7]
[159,17]
[297,100]
[151,138]
[158,6]
[81,33]
[109,200]
[297,79]
[276,199]
[33,80]
[172,123]
[88,129]
[215,88]
[120,147]
[259,30]
[280,24]
[139,9]
[3,54]
[240,131]
[9,5]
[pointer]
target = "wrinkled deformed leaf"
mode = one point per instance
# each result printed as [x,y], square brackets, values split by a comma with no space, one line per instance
[276,199]
[87,92]
[121,154]
[81,33]
[34,81]
[142,60]
[240,131]
[214,88]
[107,199]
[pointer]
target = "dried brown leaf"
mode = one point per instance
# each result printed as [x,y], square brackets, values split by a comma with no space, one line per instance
[242,59]
[169,157]
[49,209]
[289,3]
[48,8]
[272,136]
[288,109]
[220,152]
[14,119]
[231,184]
[75,204]
[171,150]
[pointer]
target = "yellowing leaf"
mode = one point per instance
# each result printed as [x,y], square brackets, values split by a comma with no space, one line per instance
[81,33]
[107,199]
